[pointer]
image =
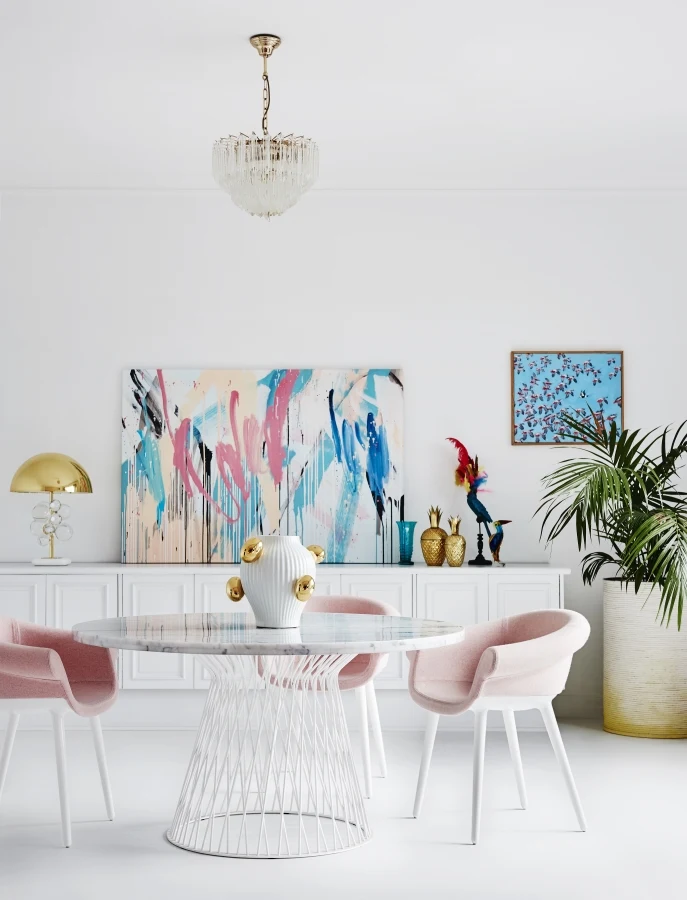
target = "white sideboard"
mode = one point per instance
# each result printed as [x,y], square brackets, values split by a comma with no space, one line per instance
[63,596]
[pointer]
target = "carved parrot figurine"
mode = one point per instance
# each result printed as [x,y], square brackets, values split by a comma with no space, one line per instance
[496,539]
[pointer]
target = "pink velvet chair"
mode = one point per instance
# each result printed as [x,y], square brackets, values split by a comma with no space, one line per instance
[513,664]
[358,674]
[46,669]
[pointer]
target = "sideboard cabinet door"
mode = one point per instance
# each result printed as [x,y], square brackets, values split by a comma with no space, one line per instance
[395,588]
[80,598]
[71,599]
[23,597]
[459,600]
[210,595]
[156,595]
[510,595]
[327,583]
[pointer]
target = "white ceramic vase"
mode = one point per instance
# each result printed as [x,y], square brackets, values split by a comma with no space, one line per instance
[645,665]
[270,581]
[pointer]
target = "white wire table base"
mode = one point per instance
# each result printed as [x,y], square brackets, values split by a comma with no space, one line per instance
[271,774]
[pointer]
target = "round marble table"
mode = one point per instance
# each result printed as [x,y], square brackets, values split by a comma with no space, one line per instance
[271,774]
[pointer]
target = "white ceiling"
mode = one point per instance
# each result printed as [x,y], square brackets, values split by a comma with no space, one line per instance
[502,94]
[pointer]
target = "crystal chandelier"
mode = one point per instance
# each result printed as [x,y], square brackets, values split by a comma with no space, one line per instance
[265,175]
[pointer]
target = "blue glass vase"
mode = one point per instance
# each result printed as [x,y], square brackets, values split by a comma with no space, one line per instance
[406,531]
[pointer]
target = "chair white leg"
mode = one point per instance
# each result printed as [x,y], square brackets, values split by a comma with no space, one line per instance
[480,740]
[12,723]
[373,713]
[514,747]
[430,734]
[61,759]
[97,730]
[559,749]
[364,741]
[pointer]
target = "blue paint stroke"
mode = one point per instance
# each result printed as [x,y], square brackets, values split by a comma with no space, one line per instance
[148,467]
[370,387]
[208,417]
[350,454]
[377,464]
[123,487]
[311,479]
[344,523]
[335,430]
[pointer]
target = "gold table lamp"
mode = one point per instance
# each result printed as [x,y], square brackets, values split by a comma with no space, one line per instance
[51,473]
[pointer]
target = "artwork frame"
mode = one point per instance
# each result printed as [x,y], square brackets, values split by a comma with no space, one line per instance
[212,456]
[544,425]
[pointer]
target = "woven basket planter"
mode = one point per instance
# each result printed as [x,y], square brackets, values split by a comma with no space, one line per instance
[645,666]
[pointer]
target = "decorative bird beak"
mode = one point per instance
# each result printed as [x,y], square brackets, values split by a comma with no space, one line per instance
[504,521]
[317,553]
[235,589]
[303,587]
[252,550]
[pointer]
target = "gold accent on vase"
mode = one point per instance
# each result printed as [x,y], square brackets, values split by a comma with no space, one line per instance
[318,553]
[235,590]
[455,543]
[252,550]
[433,540]
[304,587]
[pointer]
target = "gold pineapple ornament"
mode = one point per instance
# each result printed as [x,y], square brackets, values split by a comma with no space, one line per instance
[433,540]
[455,543]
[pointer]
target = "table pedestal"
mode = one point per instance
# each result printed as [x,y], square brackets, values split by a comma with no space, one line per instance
[272,773]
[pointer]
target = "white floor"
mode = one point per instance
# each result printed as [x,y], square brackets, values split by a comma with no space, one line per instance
[634,792]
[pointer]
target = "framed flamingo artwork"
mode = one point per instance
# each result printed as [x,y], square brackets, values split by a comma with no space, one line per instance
[587,385]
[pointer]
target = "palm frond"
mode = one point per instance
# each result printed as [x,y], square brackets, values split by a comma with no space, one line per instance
[662,537]
[622,491]
[594,562]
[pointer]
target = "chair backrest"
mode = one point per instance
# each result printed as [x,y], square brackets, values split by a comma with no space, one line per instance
[535,651]
[525,655]
[351,605]
[572,628]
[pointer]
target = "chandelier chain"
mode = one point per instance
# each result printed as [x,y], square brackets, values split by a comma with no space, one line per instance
[265,175]
[265,96]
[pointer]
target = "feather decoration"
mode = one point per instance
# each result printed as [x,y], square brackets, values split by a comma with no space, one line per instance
[468,473]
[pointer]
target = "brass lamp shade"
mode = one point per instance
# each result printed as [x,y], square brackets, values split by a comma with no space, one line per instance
[51,473]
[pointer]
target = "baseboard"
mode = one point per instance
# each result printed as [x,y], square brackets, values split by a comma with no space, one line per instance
[579,706]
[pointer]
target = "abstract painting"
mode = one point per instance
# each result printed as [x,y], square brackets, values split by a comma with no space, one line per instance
[211,457]
[587,386]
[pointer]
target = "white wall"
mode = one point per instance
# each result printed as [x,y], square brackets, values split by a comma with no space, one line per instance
[443,284]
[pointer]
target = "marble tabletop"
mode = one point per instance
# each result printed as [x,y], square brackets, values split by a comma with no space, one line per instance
[235,634]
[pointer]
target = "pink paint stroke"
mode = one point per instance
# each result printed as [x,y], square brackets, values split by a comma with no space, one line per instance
[229,456]
[252,439]
[274,425]
[182,458]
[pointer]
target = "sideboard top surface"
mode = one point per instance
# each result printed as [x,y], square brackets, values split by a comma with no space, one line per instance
[115,568]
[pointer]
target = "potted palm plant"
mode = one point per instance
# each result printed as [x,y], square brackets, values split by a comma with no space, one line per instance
[623,493]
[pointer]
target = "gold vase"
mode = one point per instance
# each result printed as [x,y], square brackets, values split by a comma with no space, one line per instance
[455,544]
[433,539]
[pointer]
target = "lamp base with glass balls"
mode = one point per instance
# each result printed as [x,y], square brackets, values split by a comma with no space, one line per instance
[48,525]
